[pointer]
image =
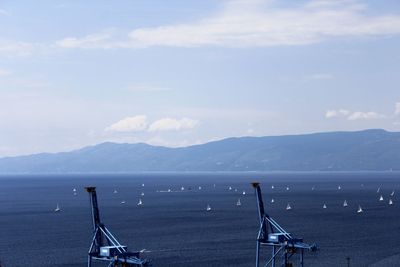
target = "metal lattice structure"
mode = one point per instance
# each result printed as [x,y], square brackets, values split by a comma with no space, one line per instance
[105,247]
[271,234]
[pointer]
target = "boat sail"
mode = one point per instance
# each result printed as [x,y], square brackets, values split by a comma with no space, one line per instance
[392,194]
[140,203]
[208,207]
[57,209]
[390,202]
[381,198]
[324,206]
[359,209]
[238,203]
[272,200]
[288,207]
[345,204]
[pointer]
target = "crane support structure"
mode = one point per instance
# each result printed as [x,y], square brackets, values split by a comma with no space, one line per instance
[271,234]
[104,246]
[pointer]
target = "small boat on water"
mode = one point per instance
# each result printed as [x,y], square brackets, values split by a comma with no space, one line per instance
[182,188]
[199,187]
[115,191]
[140,203]
[272,187]
[230,188]
[244,193]
[390,202]
[339,187]
[392,194]
[142,194]
[359,210]
[57,209]
[288,207]
[272,200]
[169,190]
[345,204]
[142,185]
[238,203]
[287,188]
[123,202]
[381,198]
[324,206]
[379,189]
[208,207]
[74,191]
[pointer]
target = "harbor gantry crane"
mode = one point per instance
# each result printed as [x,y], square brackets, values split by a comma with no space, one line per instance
[273,235]
[104,246]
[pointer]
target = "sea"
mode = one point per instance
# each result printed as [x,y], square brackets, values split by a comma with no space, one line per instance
[175,229]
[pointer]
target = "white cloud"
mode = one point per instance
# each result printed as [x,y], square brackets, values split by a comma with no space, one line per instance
[336,113]
[15,48]
[254,24]
[397,109]
[168,124]
[359,115]
[4,72]
[129,124]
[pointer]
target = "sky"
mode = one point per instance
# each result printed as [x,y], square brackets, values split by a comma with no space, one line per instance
[177,73]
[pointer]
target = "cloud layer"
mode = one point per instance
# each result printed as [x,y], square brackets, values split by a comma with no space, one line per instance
[139,123]
[253,23]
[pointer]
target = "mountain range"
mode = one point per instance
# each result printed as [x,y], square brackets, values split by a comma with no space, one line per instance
[367,150]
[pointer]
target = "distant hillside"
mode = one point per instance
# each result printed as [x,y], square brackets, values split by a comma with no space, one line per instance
[376,150]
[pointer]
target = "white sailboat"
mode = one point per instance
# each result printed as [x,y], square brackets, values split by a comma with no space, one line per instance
[324,206]
[287,188]
[390,202]
[379,189]
[392,194]
[359,209]
[230,188]
[169,190]
[272,200]
[142,194]
[182,188]
[57,209]
[381,198]
[74,191]
[238,203]
[199,187]
[208,207]
[339,187]
[142,185]
[244,192]
[288,207]
[345,204]
[123,202]
[272,187]
[140,203]
[115,191]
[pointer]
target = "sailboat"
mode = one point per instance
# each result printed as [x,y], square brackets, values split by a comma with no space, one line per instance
[208,207]
[199,187]
[244,193]
[182,188]
[115,191]
[272,200]
[345,203]
[324,206]
[238,203]
[169,190]
[392,194]
[230,188]
[288,207]
[57,209]
[390,202]
[339,187]
[381,198]
[140,203]
[123,202]
[379,189]
[359,209]
[287,188]
[272,187]
[142,185]
[142,194]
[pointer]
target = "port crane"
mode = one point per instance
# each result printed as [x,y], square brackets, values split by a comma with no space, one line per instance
[273,235]
[104,246]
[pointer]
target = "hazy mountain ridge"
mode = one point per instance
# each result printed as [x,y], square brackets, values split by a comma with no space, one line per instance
[376,150]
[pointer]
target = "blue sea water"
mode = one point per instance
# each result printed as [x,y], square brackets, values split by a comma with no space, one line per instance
[177,230]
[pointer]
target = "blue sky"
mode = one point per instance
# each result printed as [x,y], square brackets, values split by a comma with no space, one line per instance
[176,73]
